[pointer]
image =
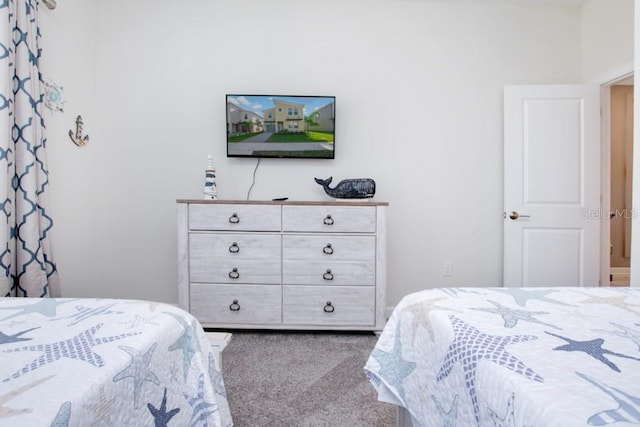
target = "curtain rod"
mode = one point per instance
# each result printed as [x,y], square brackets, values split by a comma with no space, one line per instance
[51,4]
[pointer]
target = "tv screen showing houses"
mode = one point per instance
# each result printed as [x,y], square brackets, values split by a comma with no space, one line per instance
[281,126]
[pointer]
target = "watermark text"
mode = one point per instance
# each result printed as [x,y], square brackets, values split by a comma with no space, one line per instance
[599,214]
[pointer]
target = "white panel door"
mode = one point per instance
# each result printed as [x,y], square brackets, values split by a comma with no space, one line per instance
[552,185]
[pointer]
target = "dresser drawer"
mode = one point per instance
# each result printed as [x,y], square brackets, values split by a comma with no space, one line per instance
[340,305]
[235,258]
[242,271]
[234,217]
[235,246]
[329,247]
[329,219]
[237,304]
[334,273]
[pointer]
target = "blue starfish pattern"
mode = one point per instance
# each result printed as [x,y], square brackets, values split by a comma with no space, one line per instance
[138,370]
[63,416]
[85,313]
[216,377]
[173,371]
[8,339]
[161,417]
[625,332]
[450,291]
[628,409]
[522,296]
[454,291]
[450,417]
[469,346]
[201,408]
[393,368]
[78,347]
[593,348]
[509,419]
[45,306]
[188,342]
[511,315]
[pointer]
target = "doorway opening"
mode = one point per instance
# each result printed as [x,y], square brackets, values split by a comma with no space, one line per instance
[617,164]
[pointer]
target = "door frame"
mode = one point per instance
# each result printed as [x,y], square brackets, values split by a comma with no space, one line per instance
[605,167]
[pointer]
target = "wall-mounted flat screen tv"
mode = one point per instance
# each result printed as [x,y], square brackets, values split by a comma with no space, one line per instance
[281,126]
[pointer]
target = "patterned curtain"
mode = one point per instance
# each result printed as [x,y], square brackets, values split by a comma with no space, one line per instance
[27,268]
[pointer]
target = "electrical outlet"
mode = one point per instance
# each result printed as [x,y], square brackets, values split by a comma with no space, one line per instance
[447,268]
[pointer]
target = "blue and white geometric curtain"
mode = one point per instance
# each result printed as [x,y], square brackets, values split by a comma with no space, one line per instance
[27,268]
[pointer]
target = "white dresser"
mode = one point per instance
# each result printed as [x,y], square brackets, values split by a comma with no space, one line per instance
[283,265]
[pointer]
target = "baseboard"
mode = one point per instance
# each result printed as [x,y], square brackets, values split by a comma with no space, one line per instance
[619,276]
[619,270]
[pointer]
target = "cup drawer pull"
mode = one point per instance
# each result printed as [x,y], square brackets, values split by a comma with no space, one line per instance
[328,220]
[329,308]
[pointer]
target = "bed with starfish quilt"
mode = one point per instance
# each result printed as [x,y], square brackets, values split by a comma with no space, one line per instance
[512,357]
[106,362]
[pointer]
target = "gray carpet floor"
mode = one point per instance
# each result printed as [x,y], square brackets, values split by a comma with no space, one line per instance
[302,379]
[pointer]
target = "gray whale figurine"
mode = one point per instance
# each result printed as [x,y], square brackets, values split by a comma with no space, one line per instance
[358,188]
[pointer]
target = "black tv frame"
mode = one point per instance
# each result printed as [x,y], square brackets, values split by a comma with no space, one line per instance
[284,120]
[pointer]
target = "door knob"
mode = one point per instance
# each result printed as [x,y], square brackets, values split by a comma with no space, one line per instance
[515,215]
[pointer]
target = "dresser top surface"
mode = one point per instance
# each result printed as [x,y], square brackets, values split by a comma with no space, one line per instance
[346,202]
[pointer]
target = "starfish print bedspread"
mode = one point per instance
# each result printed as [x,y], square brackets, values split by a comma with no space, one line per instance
[512,357]
[82,362]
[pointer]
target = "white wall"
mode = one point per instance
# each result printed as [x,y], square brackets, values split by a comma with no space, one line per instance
[419,109]
[607,55]
[607,39]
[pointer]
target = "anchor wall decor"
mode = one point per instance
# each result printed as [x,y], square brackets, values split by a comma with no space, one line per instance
[78,139]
